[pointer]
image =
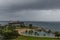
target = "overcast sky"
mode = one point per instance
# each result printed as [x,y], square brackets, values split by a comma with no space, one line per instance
[30,10]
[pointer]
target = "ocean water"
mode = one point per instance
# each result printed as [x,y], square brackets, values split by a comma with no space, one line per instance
[54,26]
[3,22]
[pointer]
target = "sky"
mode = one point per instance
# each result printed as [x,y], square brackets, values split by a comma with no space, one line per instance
[30,10]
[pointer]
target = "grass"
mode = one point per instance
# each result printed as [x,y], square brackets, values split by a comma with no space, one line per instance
[34,38]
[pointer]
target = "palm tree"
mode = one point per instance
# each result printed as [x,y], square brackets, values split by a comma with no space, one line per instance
[31,31]
[49,31]
[44,34]
[36,33]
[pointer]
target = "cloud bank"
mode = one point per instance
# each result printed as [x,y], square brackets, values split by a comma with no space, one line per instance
[30,10]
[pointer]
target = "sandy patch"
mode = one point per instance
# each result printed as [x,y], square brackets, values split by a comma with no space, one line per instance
[20,31]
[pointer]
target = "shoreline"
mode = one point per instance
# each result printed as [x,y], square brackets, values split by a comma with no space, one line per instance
[20,31]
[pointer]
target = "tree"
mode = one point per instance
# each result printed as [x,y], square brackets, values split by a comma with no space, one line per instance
[39,30]
[30,25]
[11,27]
[26,31]
[57,34]
[49,31]
[44,34]
[0,25]
[10,35]
[31,31]
[36,33]
[22,25]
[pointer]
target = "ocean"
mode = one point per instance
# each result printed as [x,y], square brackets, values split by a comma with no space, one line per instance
[54,26]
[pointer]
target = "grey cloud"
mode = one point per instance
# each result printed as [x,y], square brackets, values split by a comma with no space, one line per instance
[39,4]
[17,5]
[29,10]
[37,15]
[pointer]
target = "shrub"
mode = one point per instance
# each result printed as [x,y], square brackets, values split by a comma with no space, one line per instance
[10,35]
[57,34]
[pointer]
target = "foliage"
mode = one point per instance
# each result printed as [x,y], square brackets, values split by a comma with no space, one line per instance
[57,34]
[35,38]
[36,33]
[30,25]
[10,35]
[49,31]
[31,31]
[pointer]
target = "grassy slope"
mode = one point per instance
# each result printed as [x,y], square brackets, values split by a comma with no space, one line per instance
[34,38]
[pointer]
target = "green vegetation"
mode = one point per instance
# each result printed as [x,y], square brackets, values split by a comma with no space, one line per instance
[30,32]
[57,34]
[30,25]
[9,33]
[34,38]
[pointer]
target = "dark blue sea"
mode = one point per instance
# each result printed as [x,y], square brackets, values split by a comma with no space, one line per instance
[54,26]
